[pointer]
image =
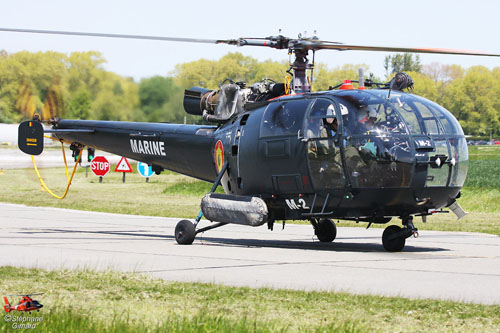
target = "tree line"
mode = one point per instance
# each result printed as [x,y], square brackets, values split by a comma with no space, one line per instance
[77,86]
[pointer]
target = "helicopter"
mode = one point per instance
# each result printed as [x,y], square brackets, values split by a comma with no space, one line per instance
[26,304]
[283,152]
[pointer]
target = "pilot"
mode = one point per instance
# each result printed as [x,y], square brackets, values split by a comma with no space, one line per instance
[330,125]
[322,151]
[368,116]
[328,129]
[323,129]
[358,151]
[330,159]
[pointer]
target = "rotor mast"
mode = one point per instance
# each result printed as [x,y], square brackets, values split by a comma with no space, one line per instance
[301,83]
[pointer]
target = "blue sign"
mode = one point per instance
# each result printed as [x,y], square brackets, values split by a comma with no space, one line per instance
[145,170]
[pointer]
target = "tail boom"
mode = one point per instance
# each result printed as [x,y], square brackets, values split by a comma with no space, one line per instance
[181,148]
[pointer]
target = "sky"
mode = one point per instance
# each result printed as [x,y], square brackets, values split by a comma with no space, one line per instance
[471,25]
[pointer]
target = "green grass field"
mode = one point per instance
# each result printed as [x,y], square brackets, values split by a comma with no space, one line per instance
[87,301]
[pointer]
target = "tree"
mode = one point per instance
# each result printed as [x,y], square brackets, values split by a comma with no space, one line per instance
[325,77]
[80,106]
[475,101]
[424,86]
[83,70]
[442,73]
[234,66]
[25,81]
[161,99]
[113,103]
[402,63]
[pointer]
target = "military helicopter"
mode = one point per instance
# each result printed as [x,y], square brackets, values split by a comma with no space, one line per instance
[284,152]
[26,304]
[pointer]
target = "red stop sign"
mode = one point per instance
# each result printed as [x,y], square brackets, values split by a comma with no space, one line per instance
[100,166]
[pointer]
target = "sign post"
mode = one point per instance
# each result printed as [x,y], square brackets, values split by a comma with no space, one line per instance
[99,167]
[145,170]
[123,166]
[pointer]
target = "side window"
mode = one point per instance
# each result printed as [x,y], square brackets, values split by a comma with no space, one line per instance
[322,108]
[430,121]
[322,121]
[410,116]
[283,118]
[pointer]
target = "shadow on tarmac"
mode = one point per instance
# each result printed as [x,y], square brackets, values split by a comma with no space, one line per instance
[339,245]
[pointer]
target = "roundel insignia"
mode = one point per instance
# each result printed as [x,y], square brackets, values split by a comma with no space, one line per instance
[219,156]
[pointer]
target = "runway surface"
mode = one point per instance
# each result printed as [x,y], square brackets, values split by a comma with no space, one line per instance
[442,265]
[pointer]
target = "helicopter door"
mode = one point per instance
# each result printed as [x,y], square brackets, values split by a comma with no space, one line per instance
[323,151]
[281,149]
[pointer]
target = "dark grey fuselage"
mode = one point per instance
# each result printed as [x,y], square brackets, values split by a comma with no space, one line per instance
[371,173]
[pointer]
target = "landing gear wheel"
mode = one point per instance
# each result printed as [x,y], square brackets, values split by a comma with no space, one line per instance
[185,232]
[391,242]
[326,231]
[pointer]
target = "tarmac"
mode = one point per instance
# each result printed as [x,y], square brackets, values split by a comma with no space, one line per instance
[439,265]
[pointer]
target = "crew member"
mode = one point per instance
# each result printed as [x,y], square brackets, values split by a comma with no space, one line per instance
[368,116]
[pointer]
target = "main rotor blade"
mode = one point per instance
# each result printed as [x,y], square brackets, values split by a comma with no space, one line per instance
[344,47]
[277,42]
[95,34]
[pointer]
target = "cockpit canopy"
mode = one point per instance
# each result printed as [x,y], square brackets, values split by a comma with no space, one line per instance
[383,134]
[394,112]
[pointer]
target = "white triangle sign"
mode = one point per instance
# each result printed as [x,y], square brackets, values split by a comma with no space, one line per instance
[123,166]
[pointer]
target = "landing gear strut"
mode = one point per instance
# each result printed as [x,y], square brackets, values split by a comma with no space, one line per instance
[185,230]
[394,237]
[324,229]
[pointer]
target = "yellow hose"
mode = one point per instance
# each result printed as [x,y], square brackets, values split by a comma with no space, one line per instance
[287,85]
[67,175]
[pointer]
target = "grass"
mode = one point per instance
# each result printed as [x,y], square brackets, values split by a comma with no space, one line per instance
[474,222]
[109,301]
[483,174]
[484,152]
[190,188]
[482,186]
[135,196]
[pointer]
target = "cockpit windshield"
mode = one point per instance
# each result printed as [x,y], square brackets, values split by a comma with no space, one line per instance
[395,113]
[379,127]
[368,113]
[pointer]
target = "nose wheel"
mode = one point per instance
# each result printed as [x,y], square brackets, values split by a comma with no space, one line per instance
[394,237]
